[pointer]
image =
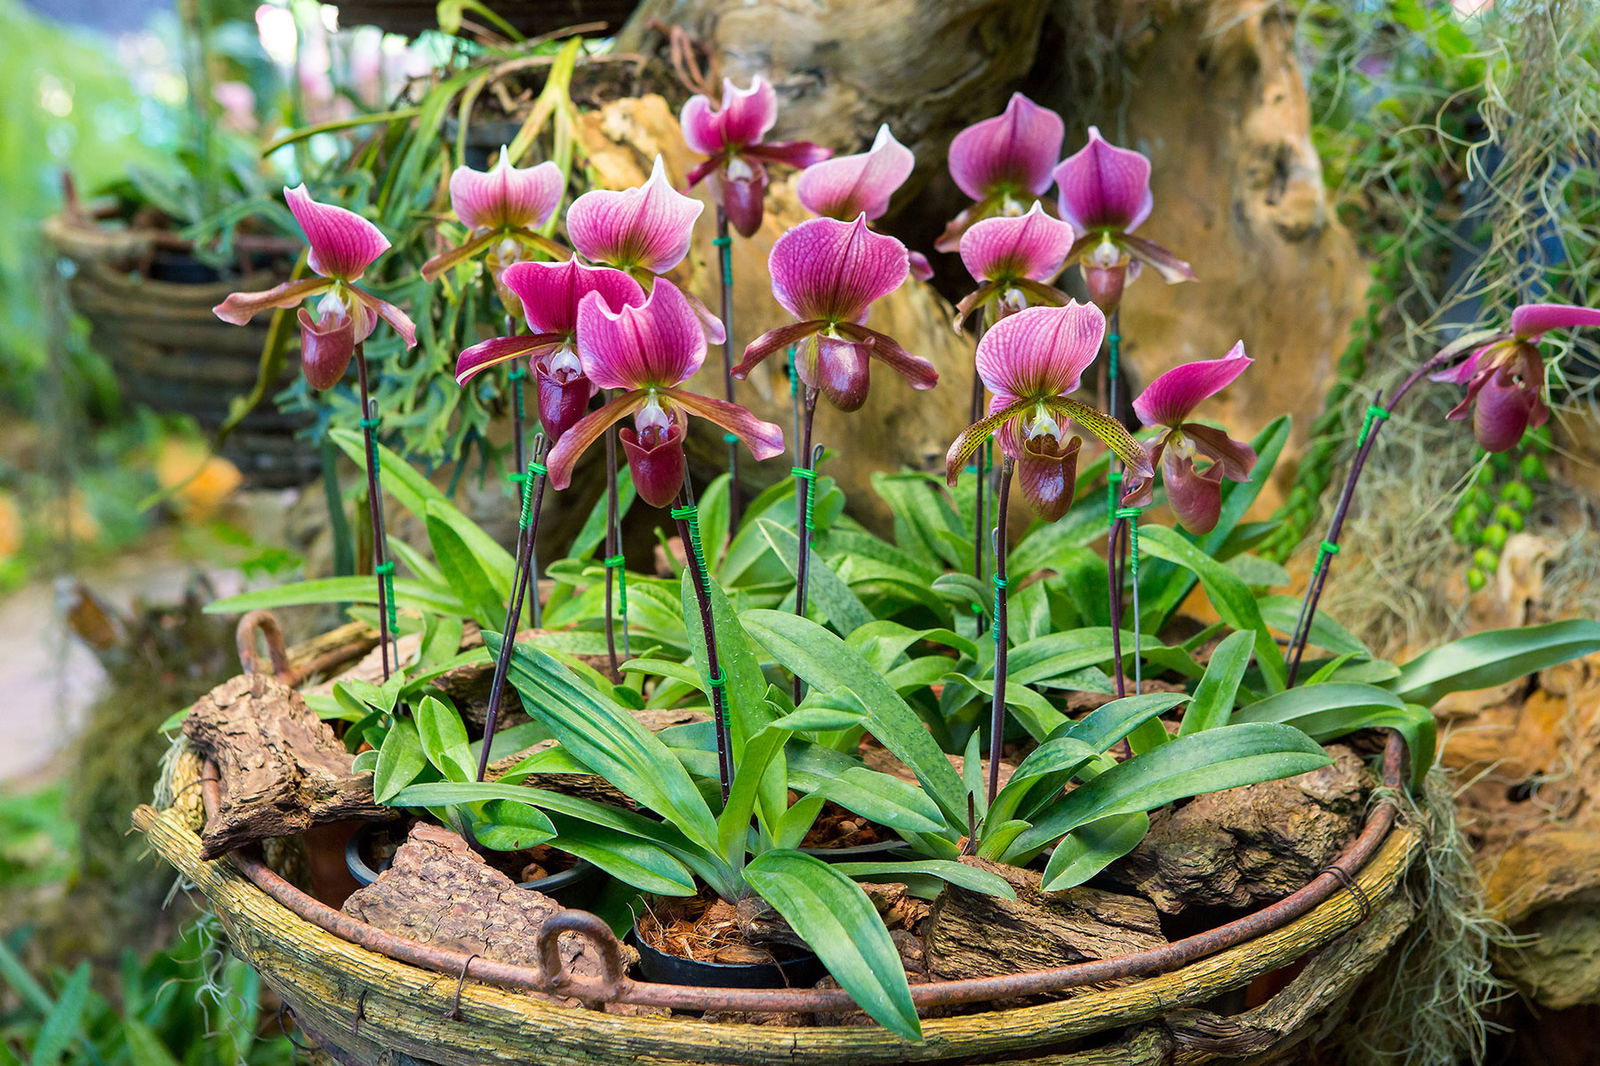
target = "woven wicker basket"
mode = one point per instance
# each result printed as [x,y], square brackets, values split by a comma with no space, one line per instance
[374,1007]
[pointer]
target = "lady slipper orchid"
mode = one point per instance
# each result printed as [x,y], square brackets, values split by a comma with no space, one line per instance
[1003,162]
[732,137]
[647,350]
[827,273]
[645,229]
[1168,401]
[550,294]
[1104,192]
[1505,376]
[850,185]
[343,245]
[503,207]
[1030,361]
[1013,259]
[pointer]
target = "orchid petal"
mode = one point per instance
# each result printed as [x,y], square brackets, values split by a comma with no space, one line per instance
[956,228]
[744,118]
[1235,458]
[1032,246]
[1042,351]
[764,439]
[506,197]
[1170,267]
[920,268]
[481,356]
[798,154]
[833,271]
[240,307]
[915,369]
[1012,152]
[326,347]
[655,344]
[1194,497]
[1483,341]
[969,440]
[1532,321]
[1169,399]
[398,320]
[1104,187]
[850,185]
[771,341]
[451,258]
[550,292]
[648,227]
[1110,432]
[716,333]
[343,244]
[590,428]
[658,471]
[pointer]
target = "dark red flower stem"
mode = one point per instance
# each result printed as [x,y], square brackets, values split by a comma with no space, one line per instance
[533,503]
[1002,628]
[613,547]
[804,489]
[519,447]
[684,514]
[724,243]
[1319,578]
[380,545]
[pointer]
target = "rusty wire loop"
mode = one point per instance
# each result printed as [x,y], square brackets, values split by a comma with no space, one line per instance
[1352,886]
[361,1013]
[593,929]
[284,1010]
[454,1013]
[264,624]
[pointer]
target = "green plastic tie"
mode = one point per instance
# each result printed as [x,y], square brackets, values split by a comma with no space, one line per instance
[1132,515]
[726,244]
[794,378]
[1375,414]
[999,591]
[618,563]
[1113,493]
[525,519]
[809,477]
[730,438]
[385,571]
[1327,550]
[517,373]
[370,423]
[720,681]
[689,515]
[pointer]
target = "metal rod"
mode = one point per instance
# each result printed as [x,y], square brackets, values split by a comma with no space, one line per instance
[380,546]
[613,547]
[702,592]
[724,243]
[1002,612]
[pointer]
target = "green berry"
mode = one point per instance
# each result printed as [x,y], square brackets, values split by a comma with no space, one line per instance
[1533,468]
[1486,560]
[1494,536]
[1509,517]
[1476,579]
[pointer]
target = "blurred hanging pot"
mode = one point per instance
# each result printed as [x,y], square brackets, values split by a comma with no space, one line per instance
[148,300]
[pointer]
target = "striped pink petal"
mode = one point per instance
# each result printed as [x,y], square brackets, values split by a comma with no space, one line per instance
[1011,153]
[849,185]
[1032,246]
[506,197]
[550,292]
[744,118]
[654,344]
[343,244]
[1104,187]
[1532,321]
[1040,352]
[832,271]
[648,227]
[1169,399]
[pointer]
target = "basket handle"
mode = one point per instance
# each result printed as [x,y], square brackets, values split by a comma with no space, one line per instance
[552,971]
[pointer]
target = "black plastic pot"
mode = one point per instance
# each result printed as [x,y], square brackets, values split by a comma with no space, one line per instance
[801,971]
[572,887]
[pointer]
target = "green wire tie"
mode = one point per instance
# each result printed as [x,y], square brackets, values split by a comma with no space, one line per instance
[525,519]
[1326,551]
[1132,515]
[810,479]
[370,423]
[386,572]
[794,379]
[617,563]
[999,590]
[1113,494]
[689,515]
[726,244]
[1375,414]
[730,438]
[720,681]
[517,373]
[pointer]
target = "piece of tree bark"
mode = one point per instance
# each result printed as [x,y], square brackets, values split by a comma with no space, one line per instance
[1248,845]
[439,891]
[969,934]
[282,769]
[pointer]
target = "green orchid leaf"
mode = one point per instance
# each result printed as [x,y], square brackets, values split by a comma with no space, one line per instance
[1485,660]
[1214,697]
[1327,712]
[955,873]
[1087,850]
[443,737]
[400,760]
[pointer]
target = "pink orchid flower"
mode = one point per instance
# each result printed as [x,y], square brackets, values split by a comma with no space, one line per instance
[503,207]
[549,294]
[850,185]
[1029,362]
[1003,162]
[1504,376]
[732,137]
[1013,259]
[1168,401]
[1104,192]
[647,351]
[827,273]
[343,245]
[645,229]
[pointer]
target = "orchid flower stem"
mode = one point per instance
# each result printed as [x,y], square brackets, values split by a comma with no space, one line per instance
[997,710]
[686,515]
[978,524]
[382,568]
[805,473]
[519,456]
[1114,549]
[724,244]
[613,548]
[531,481]
[1377,414]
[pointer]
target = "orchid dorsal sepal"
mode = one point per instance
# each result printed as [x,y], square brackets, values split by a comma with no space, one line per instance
[1003,162]
[648,227]
[850,185]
